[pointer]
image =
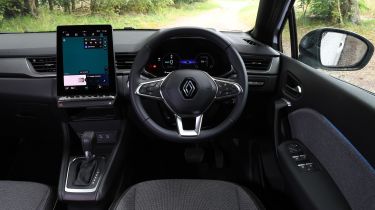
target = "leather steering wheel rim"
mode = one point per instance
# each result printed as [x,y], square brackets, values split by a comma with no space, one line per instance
[141,60]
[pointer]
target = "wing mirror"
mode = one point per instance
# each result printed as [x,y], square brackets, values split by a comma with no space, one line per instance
[335,49]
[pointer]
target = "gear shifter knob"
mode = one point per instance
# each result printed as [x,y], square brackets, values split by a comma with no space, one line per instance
[88,141]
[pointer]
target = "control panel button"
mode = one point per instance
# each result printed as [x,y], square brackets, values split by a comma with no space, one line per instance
[301,158]
[150,89]
[294,148]
[106,137]
[302,166]
[226,89]
[310,167]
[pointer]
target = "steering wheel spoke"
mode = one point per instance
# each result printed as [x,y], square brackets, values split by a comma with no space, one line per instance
[227,89]
[189,133]
[150,89]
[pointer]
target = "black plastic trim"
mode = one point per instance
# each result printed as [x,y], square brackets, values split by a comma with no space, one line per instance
[311,190]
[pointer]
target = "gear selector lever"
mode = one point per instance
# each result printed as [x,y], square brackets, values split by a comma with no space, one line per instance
[87,167]
[84,173]
[88,141]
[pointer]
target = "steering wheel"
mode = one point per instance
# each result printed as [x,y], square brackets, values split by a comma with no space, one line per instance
[188,93]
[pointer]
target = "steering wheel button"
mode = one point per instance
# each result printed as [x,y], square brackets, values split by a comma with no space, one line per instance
[142,90]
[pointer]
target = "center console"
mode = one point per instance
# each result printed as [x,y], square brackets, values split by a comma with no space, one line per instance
[93,127]
[94,141]
[85,173]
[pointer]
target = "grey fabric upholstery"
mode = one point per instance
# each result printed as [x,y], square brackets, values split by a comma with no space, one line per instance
[353,175]
[186,195]
[16,195]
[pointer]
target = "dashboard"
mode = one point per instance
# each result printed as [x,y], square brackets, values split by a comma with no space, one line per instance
[188,53]
[21,78]
[28,78]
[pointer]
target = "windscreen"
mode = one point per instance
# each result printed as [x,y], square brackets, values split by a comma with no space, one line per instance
[41,16]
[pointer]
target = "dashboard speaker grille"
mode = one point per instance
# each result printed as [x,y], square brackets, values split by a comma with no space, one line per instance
[125,60]
[43,64]
[251,42]
[253,63]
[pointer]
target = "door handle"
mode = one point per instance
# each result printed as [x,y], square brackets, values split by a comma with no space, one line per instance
[292,86]
[296,90]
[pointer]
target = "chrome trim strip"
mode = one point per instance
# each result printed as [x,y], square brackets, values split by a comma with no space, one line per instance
[189,133]
[76,190]
[299,89]
[287,102]
[85,98]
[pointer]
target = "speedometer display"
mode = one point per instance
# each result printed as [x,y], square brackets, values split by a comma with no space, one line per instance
[170,62]
[204,62]
[187,53]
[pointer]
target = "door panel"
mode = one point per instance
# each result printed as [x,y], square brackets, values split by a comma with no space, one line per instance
[336,122]
[353,175]
[350,109]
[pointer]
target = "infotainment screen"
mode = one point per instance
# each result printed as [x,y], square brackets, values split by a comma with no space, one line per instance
[85,60]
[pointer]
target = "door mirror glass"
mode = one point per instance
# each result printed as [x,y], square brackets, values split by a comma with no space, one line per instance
[341,50]
[335,49]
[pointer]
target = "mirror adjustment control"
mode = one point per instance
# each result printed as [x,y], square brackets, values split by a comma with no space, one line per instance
[302,160]
[294,148]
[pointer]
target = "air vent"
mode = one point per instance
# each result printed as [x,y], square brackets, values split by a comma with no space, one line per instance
[124,60]
[43,64]
[257,63]
[251,42]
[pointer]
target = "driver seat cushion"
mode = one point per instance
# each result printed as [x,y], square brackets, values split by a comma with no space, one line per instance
[18,195]
[187,195]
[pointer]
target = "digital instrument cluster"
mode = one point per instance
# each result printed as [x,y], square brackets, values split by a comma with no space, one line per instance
[188,53]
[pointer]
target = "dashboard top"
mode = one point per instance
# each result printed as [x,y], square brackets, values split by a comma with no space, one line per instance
[37,44]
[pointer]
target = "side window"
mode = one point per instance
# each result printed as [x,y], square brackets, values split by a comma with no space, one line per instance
[353,16]
[285,40]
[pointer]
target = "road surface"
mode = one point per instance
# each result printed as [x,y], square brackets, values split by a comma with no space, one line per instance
[224,18]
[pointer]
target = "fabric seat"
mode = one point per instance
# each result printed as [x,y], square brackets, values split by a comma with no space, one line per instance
[15,195]
[187,195]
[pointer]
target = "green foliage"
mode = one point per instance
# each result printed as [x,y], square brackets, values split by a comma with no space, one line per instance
[187,1]
[48,20]
[11,8]
[335,11]
[304,5]
[323,8]
[144,6]
[363,6]
[15,8]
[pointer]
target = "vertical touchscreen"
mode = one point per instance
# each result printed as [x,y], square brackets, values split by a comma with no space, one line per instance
[87,66]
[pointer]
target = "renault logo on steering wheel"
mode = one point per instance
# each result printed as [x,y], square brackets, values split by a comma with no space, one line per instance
[188,88]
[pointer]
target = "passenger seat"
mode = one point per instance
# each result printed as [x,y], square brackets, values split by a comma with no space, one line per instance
[16,195]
